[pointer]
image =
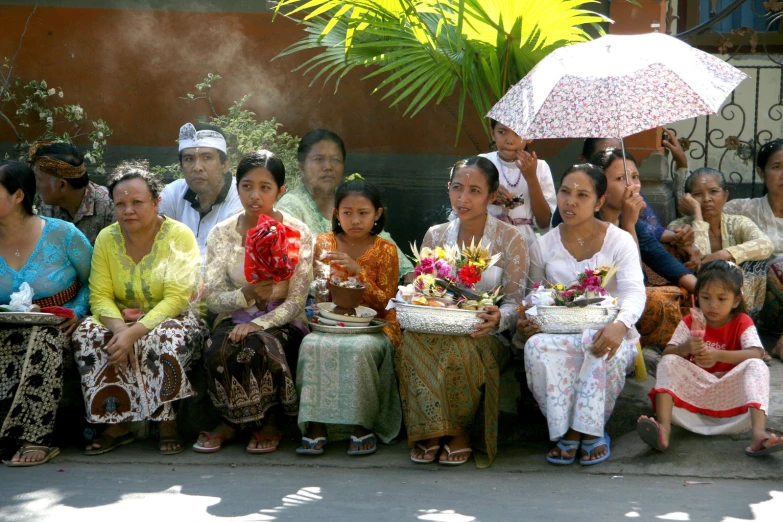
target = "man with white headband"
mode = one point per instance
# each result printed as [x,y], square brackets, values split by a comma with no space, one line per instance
[207,194]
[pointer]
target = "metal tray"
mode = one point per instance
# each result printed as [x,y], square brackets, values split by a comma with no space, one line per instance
[30,318]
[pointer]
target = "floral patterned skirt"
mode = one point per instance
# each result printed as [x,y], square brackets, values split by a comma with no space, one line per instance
[348,380]
[710,405]
[31,381]
[573,388]
[447,384]
[148,391]
[246,379]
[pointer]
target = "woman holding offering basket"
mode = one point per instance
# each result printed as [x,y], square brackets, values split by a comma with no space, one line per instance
[445,380]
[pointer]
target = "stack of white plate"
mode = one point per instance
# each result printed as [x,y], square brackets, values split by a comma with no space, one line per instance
[362,318]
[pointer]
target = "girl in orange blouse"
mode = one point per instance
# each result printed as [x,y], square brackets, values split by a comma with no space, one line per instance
[348,380]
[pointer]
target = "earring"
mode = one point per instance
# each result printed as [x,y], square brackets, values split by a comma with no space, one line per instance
[375,224]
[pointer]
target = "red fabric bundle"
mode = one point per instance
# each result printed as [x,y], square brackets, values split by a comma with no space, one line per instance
[271,251]
[58,311]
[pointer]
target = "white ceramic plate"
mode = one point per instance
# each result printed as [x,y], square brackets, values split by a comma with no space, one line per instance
[363,314]
[332,322]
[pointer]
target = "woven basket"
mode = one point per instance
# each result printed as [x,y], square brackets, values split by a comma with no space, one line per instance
[432,320]
[561,319]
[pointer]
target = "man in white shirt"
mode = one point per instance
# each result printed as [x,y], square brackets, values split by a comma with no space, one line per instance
[207,194]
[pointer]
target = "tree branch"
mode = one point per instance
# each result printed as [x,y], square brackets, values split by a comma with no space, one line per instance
[7,81]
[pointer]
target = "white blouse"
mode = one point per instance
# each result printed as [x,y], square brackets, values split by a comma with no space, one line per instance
[510,173]
[760,212]
[619,249]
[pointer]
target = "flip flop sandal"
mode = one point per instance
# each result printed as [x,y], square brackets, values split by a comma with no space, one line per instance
[358,441]
[49,454]
[759,450]
[261,438]
[650,432]
[109,443]
[588,447]
[426,450]
[198,448]
[449,453]
[171,439]
[309,446]
[564,445]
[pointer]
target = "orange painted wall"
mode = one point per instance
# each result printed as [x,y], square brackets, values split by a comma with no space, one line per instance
[130,67]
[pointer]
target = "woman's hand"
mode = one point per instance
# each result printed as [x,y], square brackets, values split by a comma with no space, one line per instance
[504,196]
[690,207]
[684,236]
[693,258]
[241,331]
[723,255]
[525,326]
[120,349]
[344,261]
[673,146]
[491,316]
[527,163]
[608,339]
[68,326]
[633,204]
[259,291]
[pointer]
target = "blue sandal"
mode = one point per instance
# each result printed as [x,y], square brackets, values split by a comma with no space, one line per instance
[358,441]
[310,446]
[589,446]
[564,445]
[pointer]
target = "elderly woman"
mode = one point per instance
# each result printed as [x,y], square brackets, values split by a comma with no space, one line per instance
[576,378]
[255,342]
[767,212]
[134,350]
[53,257]
[445,380]
[729,237]
[321,156]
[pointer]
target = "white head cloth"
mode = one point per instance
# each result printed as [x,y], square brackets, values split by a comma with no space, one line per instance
[189,138]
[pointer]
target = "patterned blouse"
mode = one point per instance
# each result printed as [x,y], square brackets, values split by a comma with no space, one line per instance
[95,213]
[760,212]
[225,275]
[740,236]
[300,205]
[161,284]
[510,272]
[60,257]
[379,273]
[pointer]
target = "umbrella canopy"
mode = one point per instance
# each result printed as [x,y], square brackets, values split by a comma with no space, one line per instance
[615,86]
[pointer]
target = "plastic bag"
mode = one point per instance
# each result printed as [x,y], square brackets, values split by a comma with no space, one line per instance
[698,323]
[21,300]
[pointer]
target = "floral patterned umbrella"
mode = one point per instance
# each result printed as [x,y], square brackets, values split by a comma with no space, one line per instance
[271,251]
[615,86]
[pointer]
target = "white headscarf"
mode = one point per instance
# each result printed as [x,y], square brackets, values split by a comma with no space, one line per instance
[189,138]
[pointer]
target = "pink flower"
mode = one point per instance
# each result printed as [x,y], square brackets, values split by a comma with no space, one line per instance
[443,269]
[340,324]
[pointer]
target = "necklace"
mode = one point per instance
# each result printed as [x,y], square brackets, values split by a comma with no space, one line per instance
[505,172]
[584,241]
[17,254]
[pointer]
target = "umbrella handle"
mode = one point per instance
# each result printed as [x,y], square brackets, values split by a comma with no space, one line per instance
[625,165]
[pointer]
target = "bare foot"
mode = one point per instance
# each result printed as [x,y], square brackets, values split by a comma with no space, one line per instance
[557,453]
[457,442]
[112,430]
[269,430]
[168,430]
[432,446]
[223,430]
[666,431]
[359,432]
[30,456]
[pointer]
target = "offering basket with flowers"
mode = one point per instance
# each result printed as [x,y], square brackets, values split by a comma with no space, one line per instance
[443,298]
[581,305]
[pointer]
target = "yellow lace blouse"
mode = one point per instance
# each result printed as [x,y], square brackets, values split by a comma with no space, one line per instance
[225,275]
[161,284]
[740,236]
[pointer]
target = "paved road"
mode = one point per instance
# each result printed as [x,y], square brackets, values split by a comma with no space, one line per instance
[146,493]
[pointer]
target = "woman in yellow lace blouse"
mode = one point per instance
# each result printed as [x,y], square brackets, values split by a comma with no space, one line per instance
[252,353]
[141,339]
[728,237]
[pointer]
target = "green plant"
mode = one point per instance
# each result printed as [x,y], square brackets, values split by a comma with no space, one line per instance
[36,114]
[428,50]
[244,133]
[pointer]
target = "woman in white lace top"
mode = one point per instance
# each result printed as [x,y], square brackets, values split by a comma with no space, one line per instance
[576,378]
[445,379]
